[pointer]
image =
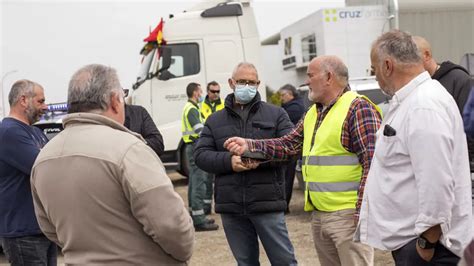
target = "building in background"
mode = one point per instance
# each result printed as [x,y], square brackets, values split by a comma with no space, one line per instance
[349,32]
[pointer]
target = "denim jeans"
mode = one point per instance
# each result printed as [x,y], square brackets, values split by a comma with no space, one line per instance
[30,250]
[242,233]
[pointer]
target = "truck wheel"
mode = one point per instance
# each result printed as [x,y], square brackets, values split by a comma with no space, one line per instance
[183,162]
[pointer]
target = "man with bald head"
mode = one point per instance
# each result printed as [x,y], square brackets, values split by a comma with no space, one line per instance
[453,77]
[417,201]
[250,200]
[100,192]
[337,137]
[20,142]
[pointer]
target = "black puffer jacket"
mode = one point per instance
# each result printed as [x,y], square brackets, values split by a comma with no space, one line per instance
[249,192]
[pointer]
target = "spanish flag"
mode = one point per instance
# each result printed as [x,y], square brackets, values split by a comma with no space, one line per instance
[156,35]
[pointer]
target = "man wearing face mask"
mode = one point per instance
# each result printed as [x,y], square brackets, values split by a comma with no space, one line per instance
[250,199]
[337,139]
[192,124]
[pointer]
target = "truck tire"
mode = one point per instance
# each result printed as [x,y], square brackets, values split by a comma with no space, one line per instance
[183,168]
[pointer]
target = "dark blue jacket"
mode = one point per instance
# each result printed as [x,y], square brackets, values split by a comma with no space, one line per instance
[295,109]
[468,114]
[19,147]
[248,192]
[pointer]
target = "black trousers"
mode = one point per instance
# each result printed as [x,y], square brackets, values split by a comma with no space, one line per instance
[408,256]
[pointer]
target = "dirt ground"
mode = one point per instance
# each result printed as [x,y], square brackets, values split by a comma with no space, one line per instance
[212,248]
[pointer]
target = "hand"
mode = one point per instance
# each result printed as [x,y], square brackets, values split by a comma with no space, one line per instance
[236,145]
[239,166]
[356,219]
[425,254]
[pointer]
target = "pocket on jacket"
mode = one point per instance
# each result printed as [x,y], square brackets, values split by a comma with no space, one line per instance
[263,129]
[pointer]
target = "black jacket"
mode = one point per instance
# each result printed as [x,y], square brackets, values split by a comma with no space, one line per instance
[456,80]
[249,192]
[295,109]
[138,120]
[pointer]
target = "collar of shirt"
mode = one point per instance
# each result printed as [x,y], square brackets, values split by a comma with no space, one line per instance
[322,108]
[406,90]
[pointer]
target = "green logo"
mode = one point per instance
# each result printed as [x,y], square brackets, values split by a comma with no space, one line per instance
[330,15]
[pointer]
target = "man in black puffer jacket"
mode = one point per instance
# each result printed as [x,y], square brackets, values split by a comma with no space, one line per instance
[251,201]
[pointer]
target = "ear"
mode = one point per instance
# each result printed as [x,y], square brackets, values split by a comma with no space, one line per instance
[388,66]
[427,55]
[23,101]
[115,102]
[329,77]
[231,84]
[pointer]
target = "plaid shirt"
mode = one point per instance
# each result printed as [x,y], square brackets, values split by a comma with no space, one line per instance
[358,137]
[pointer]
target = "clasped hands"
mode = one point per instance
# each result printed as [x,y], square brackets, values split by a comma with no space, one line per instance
[237,146]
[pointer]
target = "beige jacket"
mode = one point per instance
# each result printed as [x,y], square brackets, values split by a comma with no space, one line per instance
[103,195]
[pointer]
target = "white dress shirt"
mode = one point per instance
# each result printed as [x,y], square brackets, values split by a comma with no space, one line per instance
[420,176]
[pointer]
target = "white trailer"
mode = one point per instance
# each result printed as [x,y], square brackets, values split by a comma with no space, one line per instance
[346,32]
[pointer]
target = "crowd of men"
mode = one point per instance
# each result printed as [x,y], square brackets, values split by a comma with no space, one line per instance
[397,181]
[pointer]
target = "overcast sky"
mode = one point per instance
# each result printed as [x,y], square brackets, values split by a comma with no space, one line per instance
[46,41]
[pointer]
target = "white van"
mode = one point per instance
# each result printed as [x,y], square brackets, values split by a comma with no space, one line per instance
[202,45]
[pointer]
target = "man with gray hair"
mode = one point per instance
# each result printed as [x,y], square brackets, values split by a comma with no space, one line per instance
[337,138]
[20,142]
[417,201]
[100,192]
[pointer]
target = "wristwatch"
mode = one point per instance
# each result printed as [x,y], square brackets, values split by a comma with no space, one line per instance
[423,243]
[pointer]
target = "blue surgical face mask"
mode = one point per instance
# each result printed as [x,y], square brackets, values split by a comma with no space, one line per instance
[201,99]
[244,93]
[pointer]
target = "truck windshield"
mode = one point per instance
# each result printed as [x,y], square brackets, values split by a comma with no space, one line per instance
[145,67]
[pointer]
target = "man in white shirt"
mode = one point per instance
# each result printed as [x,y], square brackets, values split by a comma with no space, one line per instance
[417,200]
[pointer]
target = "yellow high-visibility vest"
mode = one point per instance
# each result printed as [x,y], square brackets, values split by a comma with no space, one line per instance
[188,132]
[206,109]
[331,173]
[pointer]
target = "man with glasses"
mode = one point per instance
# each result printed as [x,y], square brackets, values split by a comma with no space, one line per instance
[250,199]
[212,103]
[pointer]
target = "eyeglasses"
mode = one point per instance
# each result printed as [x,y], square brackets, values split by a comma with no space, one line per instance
[247,82]
[125,92]
[213,91]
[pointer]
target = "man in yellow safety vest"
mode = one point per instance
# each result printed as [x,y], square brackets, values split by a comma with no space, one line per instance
[337,137]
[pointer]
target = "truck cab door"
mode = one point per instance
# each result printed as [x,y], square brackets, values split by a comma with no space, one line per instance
[168,88]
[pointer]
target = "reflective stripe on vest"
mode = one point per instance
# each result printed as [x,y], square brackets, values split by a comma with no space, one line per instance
[332,174]
[187,131]
[332,187]
[331,160]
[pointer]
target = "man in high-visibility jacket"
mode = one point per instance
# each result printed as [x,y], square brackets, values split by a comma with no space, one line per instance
[337,137]
[211,104]
[192,124]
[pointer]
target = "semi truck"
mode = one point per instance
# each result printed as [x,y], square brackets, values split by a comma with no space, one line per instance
[200,45]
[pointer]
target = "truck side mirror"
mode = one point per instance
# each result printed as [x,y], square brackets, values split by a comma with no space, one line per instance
[166,58]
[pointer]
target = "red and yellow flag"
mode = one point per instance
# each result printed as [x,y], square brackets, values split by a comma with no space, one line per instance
[156,35]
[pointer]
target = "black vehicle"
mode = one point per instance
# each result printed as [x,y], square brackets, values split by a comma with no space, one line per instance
[52,121]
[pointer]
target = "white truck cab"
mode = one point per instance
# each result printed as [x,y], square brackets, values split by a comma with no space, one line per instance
[202,44]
